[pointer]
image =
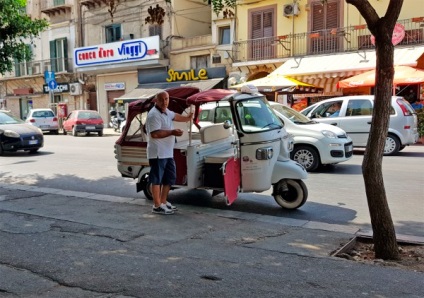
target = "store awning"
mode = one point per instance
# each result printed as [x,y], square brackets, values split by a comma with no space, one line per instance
[343,65]
[148,90]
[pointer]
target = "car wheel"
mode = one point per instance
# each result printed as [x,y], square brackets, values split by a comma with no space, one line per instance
[1,150]
[392,145]
[147,187]
[32,151]
[402,147]
[56,132]
[100,133]
[74,131]
[307,156]
[290,193]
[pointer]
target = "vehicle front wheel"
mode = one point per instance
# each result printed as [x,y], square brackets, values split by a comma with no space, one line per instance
[1,150]
[100,133]
[32,151]
[392,145]
[147,187]
[307,156]
[290,193]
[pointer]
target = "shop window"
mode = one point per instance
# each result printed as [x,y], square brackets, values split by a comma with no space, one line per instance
[113,33]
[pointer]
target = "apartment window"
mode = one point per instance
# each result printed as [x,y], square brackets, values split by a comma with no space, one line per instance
[155,30]
[24,67]
[224,35]
[58,2]
[113,33]
[262,25]
[59,55]
[199,61]
[324,17]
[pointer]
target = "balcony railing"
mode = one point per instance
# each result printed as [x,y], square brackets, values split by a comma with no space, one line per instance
[38,67]
[345,39]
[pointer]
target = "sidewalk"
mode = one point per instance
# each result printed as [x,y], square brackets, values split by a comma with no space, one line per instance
[72,244]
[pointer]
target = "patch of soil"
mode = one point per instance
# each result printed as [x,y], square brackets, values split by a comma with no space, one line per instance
[412,255]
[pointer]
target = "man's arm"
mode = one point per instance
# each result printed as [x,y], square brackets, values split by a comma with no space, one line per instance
[181,118]
[163,133]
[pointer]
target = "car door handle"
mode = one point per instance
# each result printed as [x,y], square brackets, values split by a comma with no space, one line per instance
[335,123]
[369,122]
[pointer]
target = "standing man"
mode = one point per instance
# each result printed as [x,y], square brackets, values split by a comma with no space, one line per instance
[160,151]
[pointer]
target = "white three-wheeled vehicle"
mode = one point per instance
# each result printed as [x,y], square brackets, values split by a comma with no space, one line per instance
[247,152]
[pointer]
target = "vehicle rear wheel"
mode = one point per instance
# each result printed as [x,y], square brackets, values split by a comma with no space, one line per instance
[56,132]
[74,131]
[392,145]
[147,187]
[290,193]
[1,150]
[307,156]
[100,133]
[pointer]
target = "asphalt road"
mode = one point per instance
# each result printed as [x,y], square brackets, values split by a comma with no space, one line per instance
[336,193]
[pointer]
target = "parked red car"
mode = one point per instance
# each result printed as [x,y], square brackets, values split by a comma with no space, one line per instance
[85,121]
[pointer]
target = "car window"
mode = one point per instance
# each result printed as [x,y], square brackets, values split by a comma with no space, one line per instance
[359,107]
[204,115]
[88,115]
[307,110]
[328,109]
[6,118]
[222,114]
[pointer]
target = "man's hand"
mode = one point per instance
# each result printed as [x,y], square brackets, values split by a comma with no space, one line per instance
[177,132]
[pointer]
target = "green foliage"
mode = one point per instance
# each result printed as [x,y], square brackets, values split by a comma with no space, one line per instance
[218,5]
[16,31]
[420,126]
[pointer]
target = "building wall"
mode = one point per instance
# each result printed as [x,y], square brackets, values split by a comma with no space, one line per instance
[190,18]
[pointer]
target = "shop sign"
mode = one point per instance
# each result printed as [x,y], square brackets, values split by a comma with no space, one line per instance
[117,52]
[61,88]
[114,86]
[190,75]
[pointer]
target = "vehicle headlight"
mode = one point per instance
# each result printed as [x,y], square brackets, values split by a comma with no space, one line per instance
[329,134]
[11,134]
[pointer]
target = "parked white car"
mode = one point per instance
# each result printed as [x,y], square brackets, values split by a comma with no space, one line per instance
[44,119]
[315,144]
[355,114]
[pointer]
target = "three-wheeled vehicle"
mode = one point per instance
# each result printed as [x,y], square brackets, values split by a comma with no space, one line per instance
[247,152]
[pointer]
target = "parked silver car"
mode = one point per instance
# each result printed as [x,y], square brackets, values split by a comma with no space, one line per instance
[353,115]
[44,119]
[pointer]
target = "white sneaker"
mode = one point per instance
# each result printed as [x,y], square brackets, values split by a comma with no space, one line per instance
[171,207]
[162,209]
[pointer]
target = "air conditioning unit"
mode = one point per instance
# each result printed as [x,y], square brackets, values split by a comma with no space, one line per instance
[291,9]
[75,89]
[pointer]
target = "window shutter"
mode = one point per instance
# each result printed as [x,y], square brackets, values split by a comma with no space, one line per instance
[256,26]
[65,53]
[317,16]
[268,23]
[53,55]
[332,15]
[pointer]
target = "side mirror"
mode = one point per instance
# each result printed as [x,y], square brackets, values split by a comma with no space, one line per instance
[227,124]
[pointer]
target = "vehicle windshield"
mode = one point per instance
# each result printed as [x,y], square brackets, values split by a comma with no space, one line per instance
[294,116]
[7,118]
[307,110]
[256,115]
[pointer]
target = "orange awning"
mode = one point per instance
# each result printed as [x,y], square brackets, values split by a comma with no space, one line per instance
[404,75]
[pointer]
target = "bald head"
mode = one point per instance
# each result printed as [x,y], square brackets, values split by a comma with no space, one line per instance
[162,100]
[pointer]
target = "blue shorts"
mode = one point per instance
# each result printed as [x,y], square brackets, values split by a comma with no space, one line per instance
[162,171]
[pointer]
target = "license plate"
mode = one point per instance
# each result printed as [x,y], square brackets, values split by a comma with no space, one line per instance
[349,148]
[33,142]
[44,126]
[90,127]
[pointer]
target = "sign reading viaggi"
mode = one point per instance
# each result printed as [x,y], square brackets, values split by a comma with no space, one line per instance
[117,52]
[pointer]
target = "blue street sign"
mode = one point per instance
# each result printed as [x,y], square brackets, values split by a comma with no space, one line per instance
[49,76]
[52,85]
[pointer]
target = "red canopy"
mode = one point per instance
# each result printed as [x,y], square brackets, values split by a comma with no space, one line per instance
[209,96]
[404,75]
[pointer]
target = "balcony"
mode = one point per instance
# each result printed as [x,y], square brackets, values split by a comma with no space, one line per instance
[93,3]
[337,40]
[38,67]
[53,7]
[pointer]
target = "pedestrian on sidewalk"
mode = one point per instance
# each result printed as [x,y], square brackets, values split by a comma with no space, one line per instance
[160,151]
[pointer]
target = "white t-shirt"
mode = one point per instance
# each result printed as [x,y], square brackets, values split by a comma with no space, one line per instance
[160,147]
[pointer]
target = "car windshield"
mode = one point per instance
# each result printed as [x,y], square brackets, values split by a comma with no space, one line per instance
[294,116]
[307,110]
[256,115]
[7,118]
[89,115]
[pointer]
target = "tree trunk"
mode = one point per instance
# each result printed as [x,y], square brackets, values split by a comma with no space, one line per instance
[384,236]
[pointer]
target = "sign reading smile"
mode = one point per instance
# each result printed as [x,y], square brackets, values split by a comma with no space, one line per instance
[118,52]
